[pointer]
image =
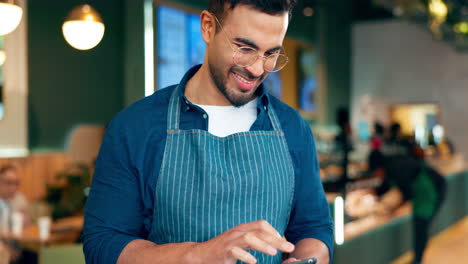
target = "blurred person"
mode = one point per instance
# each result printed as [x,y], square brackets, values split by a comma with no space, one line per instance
[378,138]
[417,182]
[9,193]
[11,201]
[343,146]
[395,144]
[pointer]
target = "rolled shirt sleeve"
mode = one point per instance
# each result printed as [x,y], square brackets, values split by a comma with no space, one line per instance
[310,216]
[113,214]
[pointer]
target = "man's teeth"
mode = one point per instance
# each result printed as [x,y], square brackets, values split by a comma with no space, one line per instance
[243,79]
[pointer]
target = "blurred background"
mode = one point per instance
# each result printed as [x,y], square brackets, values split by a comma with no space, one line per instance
[366,74]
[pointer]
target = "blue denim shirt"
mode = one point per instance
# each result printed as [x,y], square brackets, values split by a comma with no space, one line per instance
[121,201]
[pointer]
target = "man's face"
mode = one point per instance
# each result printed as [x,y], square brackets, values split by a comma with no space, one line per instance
[9,183]
[251,28]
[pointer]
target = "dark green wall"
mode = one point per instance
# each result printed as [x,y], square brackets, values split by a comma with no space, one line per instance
[66,86]
[334,47]
[134,51]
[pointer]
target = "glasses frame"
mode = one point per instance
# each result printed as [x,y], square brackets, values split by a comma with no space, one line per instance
[239,51]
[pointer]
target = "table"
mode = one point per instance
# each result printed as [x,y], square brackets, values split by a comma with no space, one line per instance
[63,231]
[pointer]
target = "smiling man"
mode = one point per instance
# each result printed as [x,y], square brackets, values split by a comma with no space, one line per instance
[214,169]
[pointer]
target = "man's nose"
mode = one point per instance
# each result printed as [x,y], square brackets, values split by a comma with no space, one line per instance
[256,69]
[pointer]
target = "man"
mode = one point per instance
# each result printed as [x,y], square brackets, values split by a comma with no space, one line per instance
[396,145]
[213,170]
[12,198]
[417,182]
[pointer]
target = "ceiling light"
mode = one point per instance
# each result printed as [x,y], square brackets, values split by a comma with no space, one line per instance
[438,9]
[10,16]
[308,11]
[83,29]
[2,57]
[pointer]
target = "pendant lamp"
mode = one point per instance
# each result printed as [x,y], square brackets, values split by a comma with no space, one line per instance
[2,58]
[83,28]
[10,16]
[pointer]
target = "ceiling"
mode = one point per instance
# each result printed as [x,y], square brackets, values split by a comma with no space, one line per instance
[361,9]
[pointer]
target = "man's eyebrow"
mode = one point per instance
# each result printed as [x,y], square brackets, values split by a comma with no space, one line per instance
[246,42]
[253,45]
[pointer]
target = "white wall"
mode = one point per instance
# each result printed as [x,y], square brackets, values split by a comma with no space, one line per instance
[398,62]
[14,124]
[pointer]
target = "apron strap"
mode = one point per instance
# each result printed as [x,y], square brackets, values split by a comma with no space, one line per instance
[273,117]
[173,114]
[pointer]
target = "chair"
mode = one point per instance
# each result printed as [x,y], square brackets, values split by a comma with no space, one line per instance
[84,143]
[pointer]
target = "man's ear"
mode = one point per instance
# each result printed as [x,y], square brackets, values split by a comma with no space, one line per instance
[208,26]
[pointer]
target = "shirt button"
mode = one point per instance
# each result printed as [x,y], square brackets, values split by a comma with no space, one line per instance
[265,107]
[205,116]
[187,108]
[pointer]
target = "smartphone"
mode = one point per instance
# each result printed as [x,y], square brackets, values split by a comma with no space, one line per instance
[306,261]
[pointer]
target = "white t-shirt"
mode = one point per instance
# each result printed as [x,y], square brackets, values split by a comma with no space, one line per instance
[227,120]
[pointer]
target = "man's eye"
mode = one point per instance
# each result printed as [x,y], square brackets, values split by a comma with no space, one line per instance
[273,53]
[247,50]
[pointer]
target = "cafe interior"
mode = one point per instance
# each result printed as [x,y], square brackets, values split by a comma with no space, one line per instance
[68,67]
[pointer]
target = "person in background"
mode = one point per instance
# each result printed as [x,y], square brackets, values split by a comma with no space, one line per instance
[13,201]
[417,182]
[9,193]
[343,146]
[396,144]
[214,169]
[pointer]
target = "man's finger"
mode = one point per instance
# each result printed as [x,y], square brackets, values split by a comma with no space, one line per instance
[277,242]
[252,241]
[242,255]
[290,260]
[258,225]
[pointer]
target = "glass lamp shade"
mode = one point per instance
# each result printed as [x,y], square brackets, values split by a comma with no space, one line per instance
[438,9]
[83,29]
[10,17]
[2,57]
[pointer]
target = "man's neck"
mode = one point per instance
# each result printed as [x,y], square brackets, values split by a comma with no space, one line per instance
[202,90]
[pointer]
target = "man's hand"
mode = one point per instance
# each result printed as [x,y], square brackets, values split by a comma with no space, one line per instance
[233,244]
[308,248]
[290,260]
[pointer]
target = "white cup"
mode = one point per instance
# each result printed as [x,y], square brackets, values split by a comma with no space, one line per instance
[44,223]
[17,219]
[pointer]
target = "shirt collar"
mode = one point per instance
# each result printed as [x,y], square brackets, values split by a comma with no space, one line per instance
[261,91]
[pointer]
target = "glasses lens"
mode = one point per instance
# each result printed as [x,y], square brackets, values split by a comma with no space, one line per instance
[275,62]
[245,56]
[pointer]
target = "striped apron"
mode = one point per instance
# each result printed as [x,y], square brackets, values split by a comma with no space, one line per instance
[208,184]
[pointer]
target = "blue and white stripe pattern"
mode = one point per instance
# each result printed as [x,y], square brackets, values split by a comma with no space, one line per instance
[208,184]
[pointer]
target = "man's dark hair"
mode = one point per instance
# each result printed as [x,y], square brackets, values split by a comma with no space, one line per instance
[271,7]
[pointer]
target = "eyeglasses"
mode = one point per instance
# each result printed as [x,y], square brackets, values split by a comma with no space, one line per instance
[245,56]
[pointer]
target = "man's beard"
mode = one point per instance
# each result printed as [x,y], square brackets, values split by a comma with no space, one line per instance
[236,99]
